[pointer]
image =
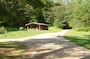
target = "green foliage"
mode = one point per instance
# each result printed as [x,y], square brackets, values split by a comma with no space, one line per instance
[80,14]
[14,12]
[58,23]
[21,28]
[36,3]
[84,29]
[2,30]
[55,12]
[54,29]
[12,29]
[48,15]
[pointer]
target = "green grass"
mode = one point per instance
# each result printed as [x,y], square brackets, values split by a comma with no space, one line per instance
[11,45]
[54,29]
[10,50]
[15,33]
[79,37]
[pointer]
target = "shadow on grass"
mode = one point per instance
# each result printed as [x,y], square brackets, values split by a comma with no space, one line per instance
[11,50]
[9,29]
[11,45]
[88,36]
[82,41]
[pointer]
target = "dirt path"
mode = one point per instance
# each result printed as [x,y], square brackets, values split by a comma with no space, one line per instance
[53,46]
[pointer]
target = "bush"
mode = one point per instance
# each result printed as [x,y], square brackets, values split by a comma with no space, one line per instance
[2,30]
[84,29]
[21,28]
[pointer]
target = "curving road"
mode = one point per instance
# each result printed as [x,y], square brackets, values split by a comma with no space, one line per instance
[53,46]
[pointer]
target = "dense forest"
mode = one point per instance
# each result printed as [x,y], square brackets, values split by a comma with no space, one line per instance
[59,13]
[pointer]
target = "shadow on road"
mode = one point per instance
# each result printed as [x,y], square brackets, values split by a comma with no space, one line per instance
[52,48]
[86,57]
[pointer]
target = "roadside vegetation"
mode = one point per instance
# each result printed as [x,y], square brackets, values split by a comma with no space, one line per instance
[81,38]
[16,33]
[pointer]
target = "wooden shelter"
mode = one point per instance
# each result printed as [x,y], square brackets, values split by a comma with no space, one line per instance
[37,26]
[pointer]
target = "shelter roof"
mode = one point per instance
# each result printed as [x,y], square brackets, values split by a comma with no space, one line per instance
[36,23]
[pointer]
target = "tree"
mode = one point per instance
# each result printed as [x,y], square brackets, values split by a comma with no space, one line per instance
[17,11]
[57,13]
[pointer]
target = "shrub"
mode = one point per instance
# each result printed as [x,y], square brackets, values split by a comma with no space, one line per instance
[2,30]
[21,28]
[84,29]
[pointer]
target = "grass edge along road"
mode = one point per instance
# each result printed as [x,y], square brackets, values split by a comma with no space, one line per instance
[15,33]
[79,37]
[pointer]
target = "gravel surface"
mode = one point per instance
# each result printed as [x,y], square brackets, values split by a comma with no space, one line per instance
[52,46]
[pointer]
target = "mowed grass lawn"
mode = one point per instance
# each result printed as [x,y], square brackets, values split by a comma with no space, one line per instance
[11,50]
[79,37]
[15,33]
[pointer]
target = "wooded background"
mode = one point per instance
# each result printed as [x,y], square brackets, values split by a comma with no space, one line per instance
[59,13]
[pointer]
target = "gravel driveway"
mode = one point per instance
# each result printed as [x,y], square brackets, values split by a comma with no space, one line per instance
[53,46]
